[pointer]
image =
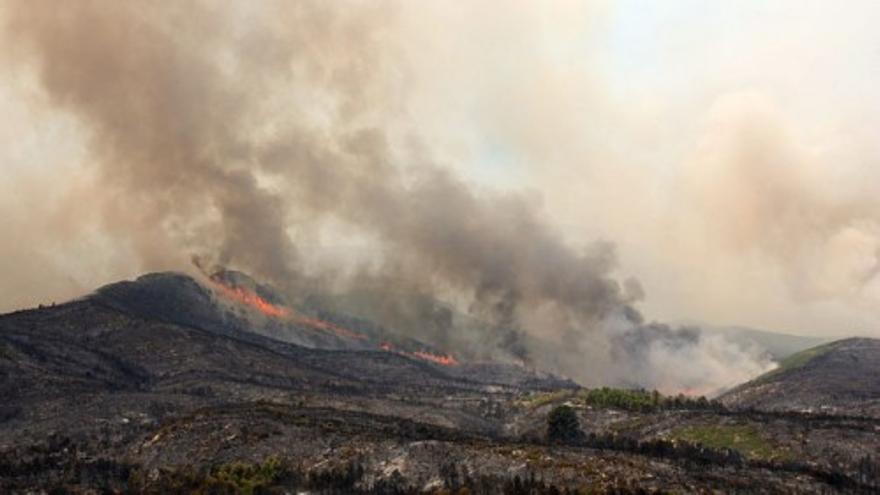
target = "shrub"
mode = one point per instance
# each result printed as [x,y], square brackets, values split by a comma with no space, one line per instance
[563,425]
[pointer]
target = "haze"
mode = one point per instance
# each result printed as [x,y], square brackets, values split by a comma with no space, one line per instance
[699,161]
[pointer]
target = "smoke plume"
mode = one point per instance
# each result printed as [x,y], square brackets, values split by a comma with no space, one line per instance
[260,136]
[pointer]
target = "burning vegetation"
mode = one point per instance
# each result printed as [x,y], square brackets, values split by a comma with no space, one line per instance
[442,359]
[250,299]
[209,177]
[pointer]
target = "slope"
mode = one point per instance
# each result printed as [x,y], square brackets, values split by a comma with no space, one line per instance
[841,377]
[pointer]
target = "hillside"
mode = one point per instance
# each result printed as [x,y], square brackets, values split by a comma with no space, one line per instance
[168,337]
[841,377]
[778,345]
[166,384]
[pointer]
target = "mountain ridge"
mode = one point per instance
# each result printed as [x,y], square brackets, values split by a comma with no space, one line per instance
[841,377]
[162,385]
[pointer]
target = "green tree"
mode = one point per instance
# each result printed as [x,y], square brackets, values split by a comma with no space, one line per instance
[563,425]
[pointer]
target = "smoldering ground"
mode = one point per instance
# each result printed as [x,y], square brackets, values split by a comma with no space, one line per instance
[245,133]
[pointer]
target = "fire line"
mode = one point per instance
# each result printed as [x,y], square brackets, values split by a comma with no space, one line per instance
[252,300]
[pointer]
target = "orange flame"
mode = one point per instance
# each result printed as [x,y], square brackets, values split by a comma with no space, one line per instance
[254,301]
[444,359]
[249,298]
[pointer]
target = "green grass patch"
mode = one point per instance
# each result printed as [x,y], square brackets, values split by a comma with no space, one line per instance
[616,398]
[633,400]
[797,360]
[235,477]
[539,399]
[744,438]
[632,424]
[247,478]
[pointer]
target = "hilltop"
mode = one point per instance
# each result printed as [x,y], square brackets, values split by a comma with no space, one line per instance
[169,384]
[840,377]
[777,344]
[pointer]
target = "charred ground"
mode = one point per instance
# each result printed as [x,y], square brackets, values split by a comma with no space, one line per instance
[154,385]
[841,377]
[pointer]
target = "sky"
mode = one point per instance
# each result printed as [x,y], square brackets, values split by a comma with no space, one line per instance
[806,69]
[726,150]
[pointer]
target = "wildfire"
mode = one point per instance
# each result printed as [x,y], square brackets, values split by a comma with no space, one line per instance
[443,359]
[251,299]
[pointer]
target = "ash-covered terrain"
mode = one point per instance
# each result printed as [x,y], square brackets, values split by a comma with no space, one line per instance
[167,384]
[841,377]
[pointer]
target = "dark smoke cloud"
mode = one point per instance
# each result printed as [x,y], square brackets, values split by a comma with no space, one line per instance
[237,135]
[163,122]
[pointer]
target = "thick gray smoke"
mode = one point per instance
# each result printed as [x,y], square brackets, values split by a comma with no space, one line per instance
[242,135]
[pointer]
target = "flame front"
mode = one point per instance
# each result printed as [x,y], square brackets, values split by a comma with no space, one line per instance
[252,300]
[443,359]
